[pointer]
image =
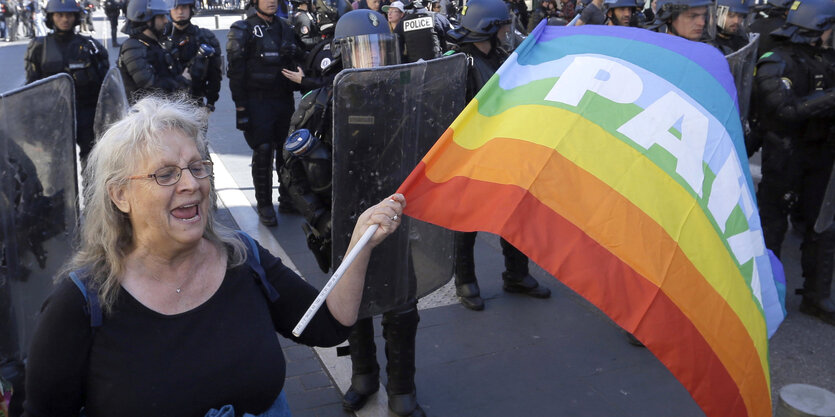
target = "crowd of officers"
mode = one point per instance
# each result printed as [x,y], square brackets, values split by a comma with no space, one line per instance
[269,58]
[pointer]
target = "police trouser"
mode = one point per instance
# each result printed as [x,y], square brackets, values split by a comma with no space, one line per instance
[399,331]
[778,190]
[269,119]
[516,263]
[85,116]
[114,24]
[817,252]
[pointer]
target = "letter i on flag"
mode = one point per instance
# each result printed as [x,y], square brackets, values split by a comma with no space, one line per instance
[613,157]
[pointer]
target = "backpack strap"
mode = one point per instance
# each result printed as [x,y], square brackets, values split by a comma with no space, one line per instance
[91,299]
[253,260]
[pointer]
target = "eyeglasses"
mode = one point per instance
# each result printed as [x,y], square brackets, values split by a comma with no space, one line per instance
[170,175]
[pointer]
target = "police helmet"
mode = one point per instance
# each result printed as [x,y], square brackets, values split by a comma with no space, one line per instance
[363,39]
[328,13]
[613,4]
[780,4]
[146,10]
[183,3]
[480,20]
[62,6]
[668,10]
[813,15]
[736,6]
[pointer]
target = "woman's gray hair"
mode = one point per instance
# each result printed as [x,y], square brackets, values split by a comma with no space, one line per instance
[106,235]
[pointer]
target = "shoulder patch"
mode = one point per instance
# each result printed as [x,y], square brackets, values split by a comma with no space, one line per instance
[787,83]
[767,54]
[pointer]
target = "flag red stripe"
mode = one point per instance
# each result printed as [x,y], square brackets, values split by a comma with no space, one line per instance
[589,269]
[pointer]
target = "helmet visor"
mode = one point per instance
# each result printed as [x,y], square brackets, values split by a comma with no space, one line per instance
[367,51]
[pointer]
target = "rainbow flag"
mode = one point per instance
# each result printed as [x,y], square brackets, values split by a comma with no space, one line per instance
[614,158]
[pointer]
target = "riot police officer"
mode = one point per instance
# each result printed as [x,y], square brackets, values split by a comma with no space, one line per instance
[145,65]
[483,24]
[688,19]
[775,15]
[795,83]
[304,24]
[82,57]
[196,50]
[307,171]
[258,48]
[314,73]
[112,8]
[421,35]
[731,30]
[620,12]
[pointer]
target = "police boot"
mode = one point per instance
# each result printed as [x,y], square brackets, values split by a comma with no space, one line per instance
[262,180]
[817,252]
[516,278]
[365,373]
[399,330]
[466,285]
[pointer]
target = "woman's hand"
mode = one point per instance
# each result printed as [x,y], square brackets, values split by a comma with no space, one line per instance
[294,76]
[387,213]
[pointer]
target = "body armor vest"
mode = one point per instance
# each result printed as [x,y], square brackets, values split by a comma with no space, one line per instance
[420,37]
[75,58]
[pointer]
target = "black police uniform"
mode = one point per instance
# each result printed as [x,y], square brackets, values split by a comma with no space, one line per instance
[85,59]
[795,85]
[764,26]
[421,36]
[257,51]
[147,67]
[304,24]
[112,8]
[316,65]
[308,178]
[204,68]
[516,276]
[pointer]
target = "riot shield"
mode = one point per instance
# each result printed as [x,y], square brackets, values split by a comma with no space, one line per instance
[385,119]
[39,211]
[742,63]
[113,102]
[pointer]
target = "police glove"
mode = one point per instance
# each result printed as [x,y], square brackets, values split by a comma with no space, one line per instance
[241,119]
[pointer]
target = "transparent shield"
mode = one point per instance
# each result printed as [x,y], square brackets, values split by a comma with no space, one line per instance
[385,119]
[742,63]
[37,133]
[113,102]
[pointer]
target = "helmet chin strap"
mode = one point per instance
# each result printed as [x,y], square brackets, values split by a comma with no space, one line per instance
[183,22]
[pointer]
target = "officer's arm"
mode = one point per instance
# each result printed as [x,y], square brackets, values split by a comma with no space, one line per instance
[215,69]
[101,59]
[135,60]
[31,61]
[236,58]
[779,97]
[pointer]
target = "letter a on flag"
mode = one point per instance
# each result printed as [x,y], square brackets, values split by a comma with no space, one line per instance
[613,157]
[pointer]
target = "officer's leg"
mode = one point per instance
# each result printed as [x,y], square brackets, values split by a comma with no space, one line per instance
[466,285]
[776,194]
[399,330]
[516,277]
[85,136]
[260,137]
[817,253]
[817,258]
[114,25]
[262,181]
[282,125]
[365,372]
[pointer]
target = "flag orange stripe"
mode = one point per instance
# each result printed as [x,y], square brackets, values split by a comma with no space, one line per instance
[650,253]
[592,271]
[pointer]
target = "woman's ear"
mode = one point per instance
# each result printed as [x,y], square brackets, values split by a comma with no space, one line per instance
[119,197]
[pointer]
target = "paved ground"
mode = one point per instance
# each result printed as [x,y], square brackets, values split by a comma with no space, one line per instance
[520,356]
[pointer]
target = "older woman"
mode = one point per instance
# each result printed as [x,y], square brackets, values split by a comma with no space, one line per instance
[186,327]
